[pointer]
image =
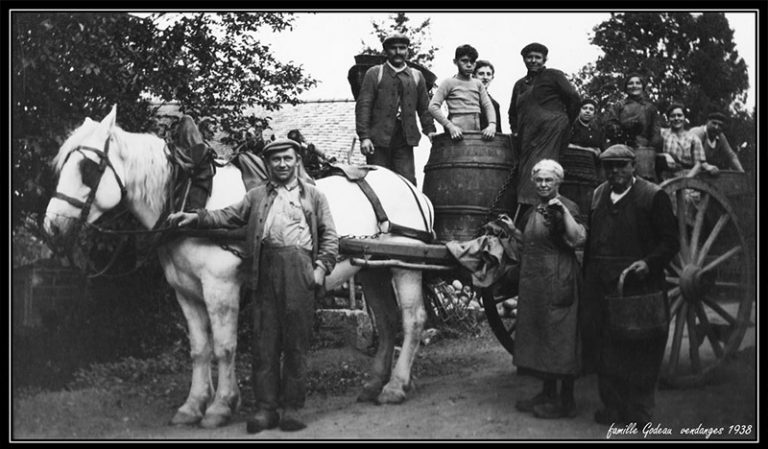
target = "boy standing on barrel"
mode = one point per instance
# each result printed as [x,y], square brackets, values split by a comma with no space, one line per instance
[465,96]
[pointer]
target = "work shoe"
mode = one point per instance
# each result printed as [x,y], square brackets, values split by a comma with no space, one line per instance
[526,405]
[554,410]
[262,420]
[291,420]
[608,416]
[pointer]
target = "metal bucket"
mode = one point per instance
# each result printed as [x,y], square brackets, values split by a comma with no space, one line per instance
[637,316]
[465,178]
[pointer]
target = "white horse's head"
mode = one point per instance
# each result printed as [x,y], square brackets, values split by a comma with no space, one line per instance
[90,177]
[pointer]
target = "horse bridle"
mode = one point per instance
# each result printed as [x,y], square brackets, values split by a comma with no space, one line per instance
[104,162]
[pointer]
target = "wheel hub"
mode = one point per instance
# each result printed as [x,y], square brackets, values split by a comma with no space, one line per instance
[691,282]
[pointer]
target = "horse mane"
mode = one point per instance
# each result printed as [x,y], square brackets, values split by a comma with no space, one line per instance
[147,169]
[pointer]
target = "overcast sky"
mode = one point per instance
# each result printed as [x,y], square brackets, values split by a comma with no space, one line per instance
[326,43]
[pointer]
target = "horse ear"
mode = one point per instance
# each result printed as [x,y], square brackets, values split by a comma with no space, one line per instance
[110,119]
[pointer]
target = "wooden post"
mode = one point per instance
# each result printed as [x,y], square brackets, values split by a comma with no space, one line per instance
[352,304]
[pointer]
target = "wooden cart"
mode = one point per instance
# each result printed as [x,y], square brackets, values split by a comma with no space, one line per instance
[710,282]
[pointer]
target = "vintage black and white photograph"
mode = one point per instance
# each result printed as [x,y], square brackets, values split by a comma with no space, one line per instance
[314,225]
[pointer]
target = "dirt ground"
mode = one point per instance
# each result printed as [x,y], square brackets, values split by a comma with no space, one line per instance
[465,390]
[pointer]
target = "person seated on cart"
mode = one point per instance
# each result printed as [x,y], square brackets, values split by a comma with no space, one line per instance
[546,344]
[580,158]
[716,147]
[682,149]
[636,123]
[466,97]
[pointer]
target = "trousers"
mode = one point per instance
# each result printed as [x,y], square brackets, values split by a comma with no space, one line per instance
[283,309]
[398,156]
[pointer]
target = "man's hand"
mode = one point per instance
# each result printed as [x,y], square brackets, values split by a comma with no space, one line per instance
[455,132]
[711,169]
[431,136]
[640,268]
[489,132]
[366,147]
[181,219]
[319,275]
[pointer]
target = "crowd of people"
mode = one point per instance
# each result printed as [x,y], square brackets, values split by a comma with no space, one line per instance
[584,184]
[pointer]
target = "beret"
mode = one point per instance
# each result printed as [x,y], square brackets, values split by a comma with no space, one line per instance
[618,153]
[535,46]
[396,38]
[588,101]
[280,145]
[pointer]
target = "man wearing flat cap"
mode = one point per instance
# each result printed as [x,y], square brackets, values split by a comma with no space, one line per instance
[544,104]
[716,147]
[632,226]
[293,246]
[391,96]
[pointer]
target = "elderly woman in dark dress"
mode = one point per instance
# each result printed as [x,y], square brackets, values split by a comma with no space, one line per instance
[547,344]
[580,160]
[635,122]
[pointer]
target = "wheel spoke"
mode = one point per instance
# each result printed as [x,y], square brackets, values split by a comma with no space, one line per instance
[708,331]
[702,208]
[722,258]
[681,225]
[674,355]
[720,311]
[676,300]
[673,280]
[721,222]
[676,268]
[693,340]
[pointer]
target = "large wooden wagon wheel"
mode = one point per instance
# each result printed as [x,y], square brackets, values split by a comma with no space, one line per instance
[502,325]
[709,283]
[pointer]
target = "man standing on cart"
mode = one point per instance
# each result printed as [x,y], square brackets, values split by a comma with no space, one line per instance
[632,226]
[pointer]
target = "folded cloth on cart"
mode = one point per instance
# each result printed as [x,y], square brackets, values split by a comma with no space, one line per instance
[493,256]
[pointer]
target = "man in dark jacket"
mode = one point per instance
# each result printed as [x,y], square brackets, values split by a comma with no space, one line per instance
[632,226]
[293,244]
[385,114]
[543,106]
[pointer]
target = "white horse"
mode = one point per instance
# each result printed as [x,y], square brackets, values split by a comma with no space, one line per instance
[135,168]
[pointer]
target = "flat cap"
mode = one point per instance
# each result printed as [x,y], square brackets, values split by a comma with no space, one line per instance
[618,153]
[717,116]
[280,145]
[396,38]
[535,46]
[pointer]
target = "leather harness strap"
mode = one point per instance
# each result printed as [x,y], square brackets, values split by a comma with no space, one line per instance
[381,215]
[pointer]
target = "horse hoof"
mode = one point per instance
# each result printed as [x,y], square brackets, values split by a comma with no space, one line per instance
[184,419]
[212,421]
[368,395]
[391,397]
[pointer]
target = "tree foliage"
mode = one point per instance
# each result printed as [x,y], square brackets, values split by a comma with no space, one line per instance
[68,66]
[686,58]
[421,49]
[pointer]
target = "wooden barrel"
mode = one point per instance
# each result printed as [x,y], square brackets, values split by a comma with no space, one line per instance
[645,162]
[465,178]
